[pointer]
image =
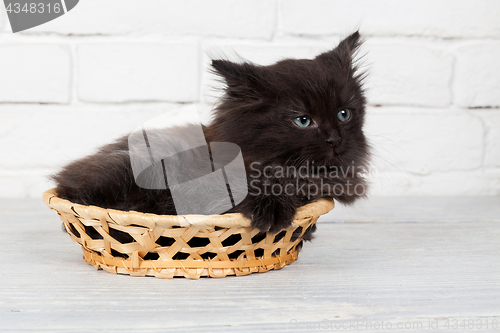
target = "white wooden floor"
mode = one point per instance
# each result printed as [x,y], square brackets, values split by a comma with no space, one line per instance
[395,263]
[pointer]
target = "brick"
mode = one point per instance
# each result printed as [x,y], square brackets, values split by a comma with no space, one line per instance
[48,137]
[408,74]
[35,73]
[477,78]
[224,18]
[492,122]
[119,72]
[261,53]
[441,18]
[424,141]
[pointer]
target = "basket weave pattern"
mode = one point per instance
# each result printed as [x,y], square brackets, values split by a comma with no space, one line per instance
[189,246]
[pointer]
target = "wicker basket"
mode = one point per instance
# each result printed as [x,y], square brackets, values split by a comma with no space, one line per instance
[189,246]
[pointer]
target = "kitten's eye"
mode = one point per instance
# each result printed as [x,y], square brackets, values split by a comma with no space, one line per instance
[344,115]
[302,121]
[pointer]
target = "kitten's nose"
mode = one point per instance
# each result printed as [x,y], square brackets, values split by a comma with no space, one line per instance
[334,143]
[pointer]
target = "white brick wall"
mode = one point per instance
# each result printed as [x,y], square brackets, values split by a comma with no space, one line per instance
[45,79]
[421,141]
[477,81]
[80,81]
[437,18]
[409,73]
[122,72]
[224,18]
[492,153]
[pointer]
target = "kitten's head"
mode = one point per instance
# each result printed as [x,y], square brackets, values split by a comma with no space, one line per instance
[295,111]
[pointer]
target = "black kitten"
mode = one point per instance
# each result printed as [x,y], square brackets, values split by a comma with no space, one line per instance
[298,123]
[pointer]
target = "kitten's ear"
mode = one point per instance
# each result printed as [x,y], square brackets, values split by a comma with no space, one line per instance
[350,43]
[229,69]
[243,77]
[345,51]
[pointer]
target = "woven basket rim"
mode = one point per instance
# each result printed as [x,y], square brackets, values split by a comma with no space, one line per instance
[126,218]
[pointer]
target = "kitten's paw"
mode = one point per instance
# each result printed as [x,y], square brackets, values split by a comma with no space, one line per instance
[308,234]
[272,216]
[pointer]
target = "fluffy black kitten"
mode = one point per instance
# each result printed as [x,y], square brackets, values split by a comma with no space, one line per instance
[298,123]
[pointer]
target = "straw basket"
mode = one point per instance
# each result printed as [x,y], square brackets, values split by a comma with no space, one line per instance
[188,246]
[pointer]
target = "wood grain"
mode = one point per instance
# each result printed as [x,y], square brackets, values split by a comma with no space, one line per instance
[425,271]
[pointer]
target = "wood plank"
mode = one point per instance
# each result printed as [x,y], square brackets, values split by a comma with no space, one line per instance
[422,272]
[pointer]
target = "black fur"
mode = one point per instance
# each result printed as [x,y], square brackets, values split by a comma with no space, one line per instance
[256,113]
